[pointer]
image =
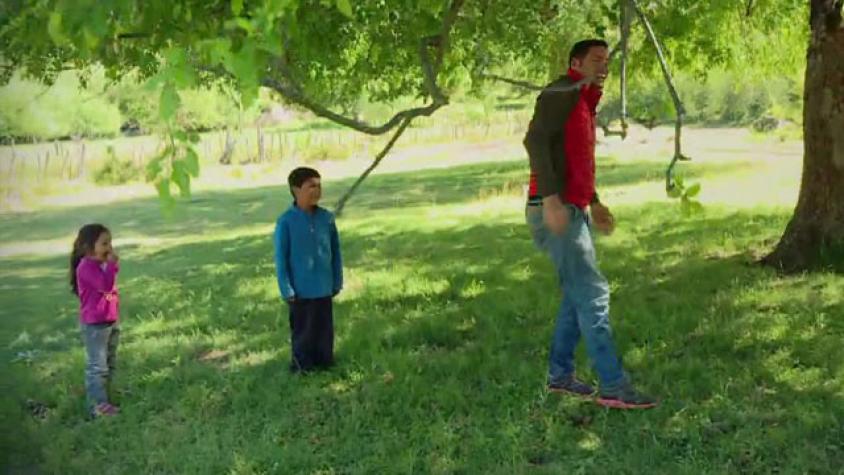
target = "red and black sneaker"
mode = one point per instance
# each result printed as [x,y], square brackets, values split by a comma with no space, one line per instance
[572,386]
[626,398]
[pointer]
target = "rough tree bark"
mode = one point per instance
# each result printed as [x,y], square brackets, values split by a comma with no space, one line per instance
[814,238]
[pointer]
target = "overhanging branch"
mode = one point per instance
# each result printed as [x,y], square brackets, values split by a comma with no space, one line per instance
[678,105]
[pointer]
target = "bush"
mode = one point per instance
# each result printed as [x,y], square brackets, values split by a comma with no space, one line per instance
[117,172]
[33,111]
[723,98]
[325,152]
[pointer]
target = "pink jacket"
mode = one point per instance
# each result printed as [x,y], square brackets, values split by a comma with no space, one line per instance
[99,301]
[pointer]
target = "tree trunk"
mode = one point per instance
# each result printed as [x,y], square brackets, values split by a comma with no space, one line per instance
[814,238]
[228,150]
[260,145]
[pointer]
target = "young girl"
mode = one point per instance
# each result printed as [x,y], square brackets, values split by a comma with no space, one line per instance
[93,278]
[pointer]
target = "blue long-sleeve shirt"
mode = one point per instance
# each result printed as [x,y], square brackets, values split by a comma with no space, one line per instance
[307,254]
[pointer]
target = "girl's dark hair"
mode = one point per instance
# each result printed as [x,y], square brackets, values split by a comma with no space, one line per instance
[83,244]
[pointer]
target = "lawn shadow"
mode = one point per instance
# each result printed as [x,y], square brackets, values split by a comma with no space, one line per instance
[449,328]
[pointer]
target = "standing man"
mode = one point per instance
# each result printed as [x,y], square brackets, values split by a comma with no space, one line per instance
[561,210]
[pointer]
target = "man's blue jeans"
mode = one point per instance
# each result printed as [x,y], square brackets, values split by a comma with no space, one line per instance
[584,309]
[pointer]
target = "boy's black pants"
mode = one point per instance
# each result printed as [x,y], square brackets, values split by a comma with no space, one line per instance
[311,333]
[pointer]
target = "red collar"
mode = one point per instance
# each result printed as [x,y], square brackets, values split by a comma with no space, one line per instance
[590,93]
[575,74]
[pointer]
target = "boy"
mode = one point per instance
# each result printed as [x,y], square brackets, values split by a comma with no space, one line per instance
[310,271]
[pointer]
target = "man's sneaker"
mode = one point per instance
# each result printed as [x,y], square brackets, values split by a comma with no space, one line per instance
[571,386]
[626,398]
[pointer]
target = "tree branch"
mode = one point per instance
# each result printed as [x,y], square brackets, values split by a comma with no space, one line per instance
[669,81]
[513,82]
[748,8]
[430,70]
[445,35]
[284,83]
[291,93]
[614,51]
[132,36]
[624,26]
[338,210]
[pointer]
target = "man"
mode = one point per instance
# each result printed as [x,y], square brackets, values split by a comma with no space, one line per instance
[561,210]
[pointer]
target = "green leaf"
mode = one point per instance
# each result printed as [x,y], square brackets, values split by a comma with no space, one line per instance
[175,56]
[241,23]
[54,28]
[237,6]
[220,51]
[91,40]
[153,169]
[181,178]
[191,161]
[685,209]
[152,84]
[679,181]
[696,207]
[163,187]
[345,8]
[169,102]
[184,76]
[272,43]
[431,6]
[693,190]
[675,192]
[244,65]
[248,94]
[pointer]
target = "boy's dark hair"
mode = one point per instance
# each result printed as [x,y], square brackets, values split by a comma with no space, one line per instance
[299,176]
[581,48]
[84,243]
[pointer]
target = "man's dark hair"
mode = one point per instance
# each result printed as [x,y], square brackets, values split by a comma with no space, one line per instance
[581,48]
[299,176]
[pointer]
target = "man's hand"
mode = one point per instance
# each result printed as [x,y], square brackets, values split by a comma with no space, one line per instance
[555,215]
[603,219]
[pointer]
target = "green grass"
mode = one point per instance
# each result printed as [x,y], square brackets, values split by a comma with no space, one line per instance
[442,339]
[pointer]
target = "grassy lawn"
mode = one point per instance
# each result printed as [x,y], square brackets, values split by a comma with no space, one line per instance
[442,338]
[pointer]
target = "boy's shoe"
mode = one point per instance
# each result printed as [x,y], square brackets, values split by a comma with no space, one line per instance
[296,369]
[104,409]
[626,398]
[572,386]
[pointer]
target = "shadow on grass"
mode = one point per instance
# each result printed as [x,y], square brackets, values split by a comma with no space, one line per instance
[214,211]
[444,330]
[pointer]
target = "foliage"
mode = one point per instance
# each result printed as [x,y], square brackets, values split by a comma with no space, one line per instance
[334,52]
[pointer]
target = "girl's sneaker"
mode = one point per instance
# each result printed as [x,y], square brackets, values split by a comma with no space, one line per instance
[105,409]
